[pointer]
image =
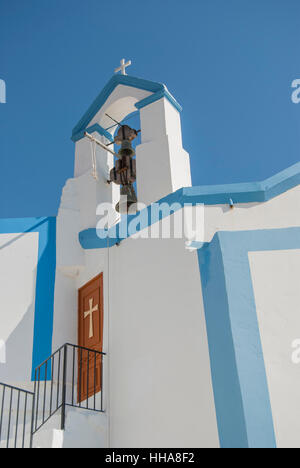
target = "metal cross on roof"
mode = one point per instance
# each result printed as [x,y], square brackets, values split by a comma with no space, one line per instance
[123,67]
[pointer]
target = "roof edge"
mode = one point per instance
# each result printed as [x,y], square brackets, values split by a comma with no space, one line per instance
[116,80]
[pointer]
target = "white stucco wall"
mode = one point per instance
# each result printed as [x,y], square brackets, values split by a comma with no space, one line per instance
[18,265]
[279,212]
[161,391]
[158,389]
[154,326]
[158,380]
[275,277]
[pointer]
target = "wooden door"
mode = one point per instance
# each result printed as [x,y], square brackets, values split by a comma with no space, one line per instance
[90,336]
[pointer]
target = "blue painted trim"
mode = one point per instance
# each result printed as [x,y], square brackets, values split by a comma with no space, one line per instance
[93,128]
[116,80]
[228,398]
[252,192]
[164,93]
[238,371]
[45,280]
[208,195]
[89,240]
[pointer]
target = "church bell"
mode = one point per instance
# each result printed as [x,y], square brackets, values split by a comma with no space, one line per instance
[124,172]
[128,199]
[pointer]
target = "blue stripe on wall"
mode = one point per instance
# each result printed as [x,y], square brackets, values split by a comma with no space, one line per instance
[44,300]
[226,384]
[238,371]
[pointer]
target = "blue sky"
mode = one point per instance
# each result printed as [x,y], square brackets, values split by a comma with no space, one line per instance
[229,63]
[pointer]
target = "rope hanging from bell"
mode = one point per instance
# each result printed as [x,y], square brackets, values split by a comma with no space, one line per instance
[94,161]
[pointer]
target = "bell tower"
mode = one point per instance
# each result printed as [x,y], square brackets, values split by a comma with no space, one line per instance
[161,166]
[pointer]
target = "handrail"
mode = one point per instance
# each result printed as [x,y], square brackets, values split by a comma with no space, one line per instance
[69,344]
[18,401]
[72,376]
[85,349]
[73,382]
[74,346]
[16,388]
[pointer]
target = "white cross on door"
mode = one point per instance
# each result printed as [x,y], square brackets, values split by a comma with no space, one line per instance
[89,313]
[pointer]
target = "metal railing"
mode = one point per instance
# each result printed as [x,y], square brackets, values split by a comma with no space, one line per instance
[16,417]
[72,376]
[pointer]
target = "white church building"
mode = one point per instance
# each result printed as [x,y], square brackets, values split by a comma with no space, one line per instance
[126,331]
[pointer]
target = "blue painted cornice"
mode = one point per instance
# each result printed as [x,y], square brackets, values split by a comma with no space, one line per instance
[158,89]
[253,192]
[93,128]
[156,96]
